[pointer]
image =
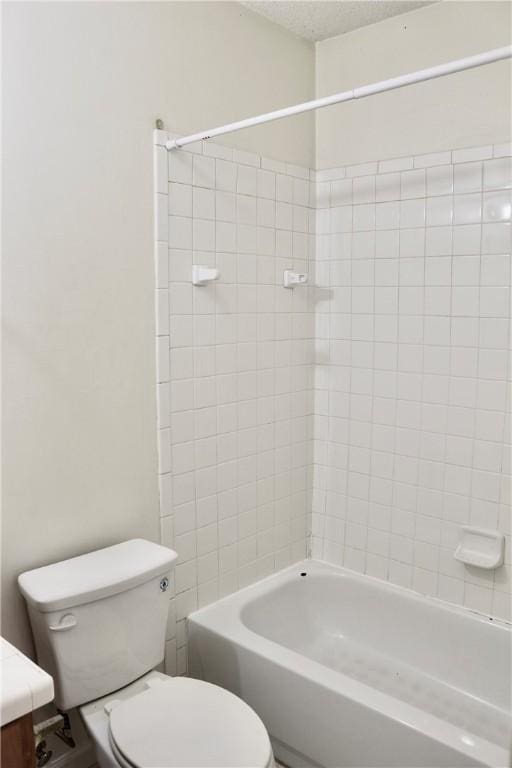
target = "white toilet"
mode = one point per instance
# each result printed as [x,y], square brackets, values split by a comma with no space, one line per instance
[99,624]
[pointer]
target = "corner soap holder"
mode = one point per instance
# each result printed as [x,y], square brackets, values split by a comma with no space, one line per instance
[480,547]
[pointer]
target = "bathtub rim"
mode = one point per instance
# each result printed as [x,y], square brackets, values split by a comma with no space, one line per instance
[324,566]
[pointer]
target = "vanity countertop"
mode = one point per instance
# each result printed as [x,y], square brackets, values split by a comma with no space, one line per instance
[25,686]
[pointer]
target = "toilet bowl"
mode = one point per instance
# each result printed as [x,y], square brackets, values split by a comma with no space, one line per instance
[99,623]
[176,723]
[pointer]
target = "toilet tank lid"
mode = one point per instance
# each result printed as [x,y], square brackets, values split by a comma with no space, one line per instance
[95,575]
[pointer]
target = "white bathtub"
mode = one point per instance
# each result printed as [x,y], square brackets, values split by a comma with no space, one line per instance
[346,670]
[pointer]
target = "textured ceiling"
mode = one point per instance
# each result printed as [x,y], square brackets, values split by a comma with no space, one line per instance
[319,19]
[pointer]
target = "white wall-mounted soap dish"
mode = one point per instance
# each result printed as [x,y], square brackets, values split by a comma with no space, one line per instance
[291,279]
[480,547]
[202,275]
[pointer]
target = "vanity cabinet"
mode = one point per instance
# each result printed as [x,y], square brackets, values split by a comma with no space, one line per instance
[17,743]
[25,688]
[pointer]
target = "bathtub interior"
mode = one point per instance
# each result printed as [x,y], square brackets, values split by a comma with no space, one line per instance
[447,662]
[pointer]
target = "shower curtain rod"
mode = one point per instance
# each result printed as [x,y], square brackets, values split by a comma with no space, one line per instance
[469,62]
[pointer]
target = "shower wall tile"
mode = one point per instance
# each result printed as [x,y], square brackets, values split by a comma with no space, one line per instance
[412,369]
[234,372]
[368,416]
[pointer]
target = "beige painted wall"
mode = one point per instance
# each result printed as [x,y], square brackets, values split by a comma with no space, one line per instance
[466,109]
[83,84]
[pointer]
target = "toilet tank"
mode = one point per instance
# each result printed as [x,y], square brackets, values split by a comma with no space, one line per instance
[99,620]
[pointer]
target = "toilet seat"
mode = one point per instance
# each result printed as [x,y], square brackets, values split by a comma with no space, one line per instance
[187,723]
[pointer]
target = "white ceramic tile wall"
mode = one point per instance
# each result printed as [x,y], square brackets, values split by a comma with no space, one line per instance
[410,319]
[412,400]
[235,371]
